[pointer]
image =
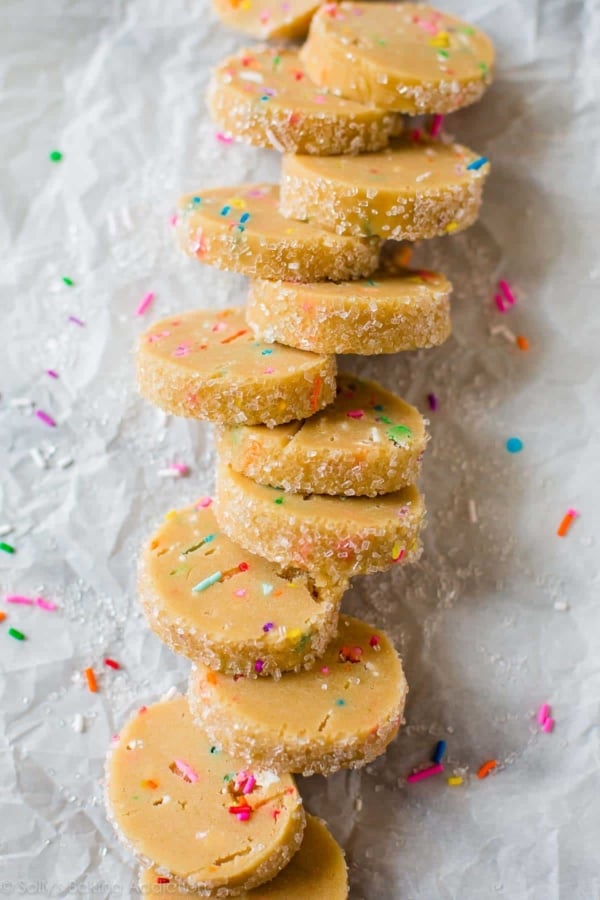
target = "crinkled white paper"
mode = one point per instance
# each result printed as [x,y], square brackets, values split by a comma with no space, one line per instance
[501,614]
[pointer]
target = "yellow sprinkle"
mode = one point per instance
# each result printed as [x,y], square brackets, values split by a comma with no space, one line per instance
[171,514]
[440,40]
[455,780]
[452,227]
[245,4]
[237,203]
[396,550]
[294,634]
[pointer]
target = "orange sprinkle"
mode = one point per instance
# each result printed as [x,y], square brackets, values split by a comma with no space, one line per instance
[91,681]
[149,783]
[522,342]
[232,337]
[316,392]
[486,768]
[2,616]
[211,677]
[566,523]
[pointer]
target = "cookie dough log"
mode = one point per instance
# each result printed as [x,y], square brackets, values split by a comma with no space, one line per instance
[195,813]
[263,97]
[406,57]
[368,442]
[383,314]
[212,601]
[317,871]
[342,714]
[333,538]
[241,229]
[208,365]
[268,19]
[410,191]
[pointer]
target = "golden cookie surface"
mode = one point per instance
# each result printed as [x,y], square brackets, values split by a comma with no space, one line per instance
[267,19]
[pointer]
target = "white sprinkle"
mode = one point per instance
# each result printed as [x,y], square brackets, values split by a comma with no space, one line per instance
[294,266]
[200,835]
[473,512]
[561,606]
[505,332]
[169,473]
[252,76]
[6,529]
[38,458]
[21,402]
[266,778]
[172,692]
[423,176]
[78,724]
[65,462]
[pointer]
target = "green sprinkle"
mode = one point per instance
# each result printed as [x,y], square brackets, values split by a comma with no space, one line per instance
[179,571]
[301,643]
[399,433]
[384,419]
[227,777]
[276,61]
[68,281]
[17,635]
[6,547]
[483,67]
[444,54]
[55,156]
[207,582]
[214,749]
[371,282]
[278,500]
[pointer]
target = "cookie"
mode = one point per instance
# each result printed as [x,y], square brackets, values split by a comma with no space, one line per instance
[262,96]
[406,57]
[317,870]
[212,601]
[241,229]
[410,191]
[195,813]
[267,20]
[341,714]
[208,365]
[367,442]
[383,314]
[331,537]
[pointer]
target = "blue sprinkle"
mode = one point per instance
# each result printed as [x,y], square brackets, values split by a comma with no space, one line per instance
[244,218]
[265,352]
[226,210]
[379,407]
[477,164]
[266,589]
[438,753]
[209,538]
[196,199]
[340,702]
[212,579]
[514,445]
[240,228]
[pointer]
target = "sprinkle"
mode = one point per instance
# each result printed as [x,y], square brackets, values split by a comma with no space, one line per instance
[65,462]
[374,641]
[48,605]
[225,211]
[566,522]
[452,226]
[189,774]
[77,321]
[112,664]
[17,635]
[548,725]
[17,599]
[340,702]
[91,680]
[432,401]
[144,304]
[436,126]
[454,780]
[268,626]
[244,218]
[68,281]
[249,785]
[224,138]
[398,552]
[204,502]
[38,458]
[266,589]
[561,606]
[162,880]
[522,342]
[472,512]
[149,783]
[5,529]
[486,768]
[51,373]
[355,413]
[78,723]
[55,156]
[45,418]
[207,582]
[399,433]
[499,301]
[514,445]
[477,164]
[543,713]
[8,548]
[438,753]
[2,616]
[425,773]
[506,333]
[506,289]
[350,654]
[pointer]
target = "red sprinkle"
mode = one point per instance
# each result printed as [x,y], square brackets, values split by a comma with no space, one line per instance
[112,664]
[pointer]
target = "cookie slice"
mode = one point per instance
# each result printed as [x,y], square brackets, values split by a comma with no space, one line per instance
[342,714]
[208,365]
[267,20]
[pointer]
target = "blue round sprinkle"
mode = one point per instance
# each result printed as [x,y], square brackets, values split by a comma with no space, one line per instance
[514,445]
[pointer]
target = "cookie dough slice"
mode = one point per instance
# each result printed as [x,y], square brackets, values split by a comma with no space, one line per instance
[410,191]
[330,537]
[383,314]
[264,97]
[317,871]
[211,600]
[241,229]
[198,815]
[368,442]
[406,57]
[342,714]
[208,365]
[268,19]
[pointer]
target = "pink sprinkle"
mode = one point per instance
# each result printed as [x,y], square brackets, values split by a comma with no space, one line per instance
[425,773]
[223,138]
[186,770]
[436,126]
[243,816]
[506,290]
[173,220]
[46,604]
[319,98]
[416,135]
[18,599]
[269,370]
[250,785]
[144,304]
[240,592]
[499,301]
[45,418]
[51,373]
[259,666]
[181,468]
[325,670]
[355,413]
[76,321]
[203,502]
[543,713]
[573,513]
[548,725]
[433,402]
[240,780]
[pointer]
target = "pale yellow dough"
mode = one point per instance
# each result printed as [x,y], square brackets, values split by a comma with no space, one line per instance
[241,229]
[267,19]
[212,601]
[316,872]
[410,191]
[331,537]
[208,365]
[263,96]
[383,314]
[406,57]
[367,442]
[341,714]
[169,796]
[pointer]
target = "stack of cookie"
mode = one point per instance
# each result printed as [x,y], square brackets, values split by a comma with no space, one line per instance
[316,469]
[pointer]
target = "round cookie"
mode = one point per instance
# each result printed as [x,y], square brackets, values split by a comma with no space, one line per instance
[406,57]
[195,813]
[317,870]
[342,714]
[241,229]
[208,365]
[268,19]
[212,601]
[331,537]
[410,191]
[264,97]
[383,314]
[367,442]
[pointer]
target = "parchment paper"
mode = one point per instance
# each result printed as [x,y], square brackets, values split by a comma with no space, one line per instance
[500,615]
